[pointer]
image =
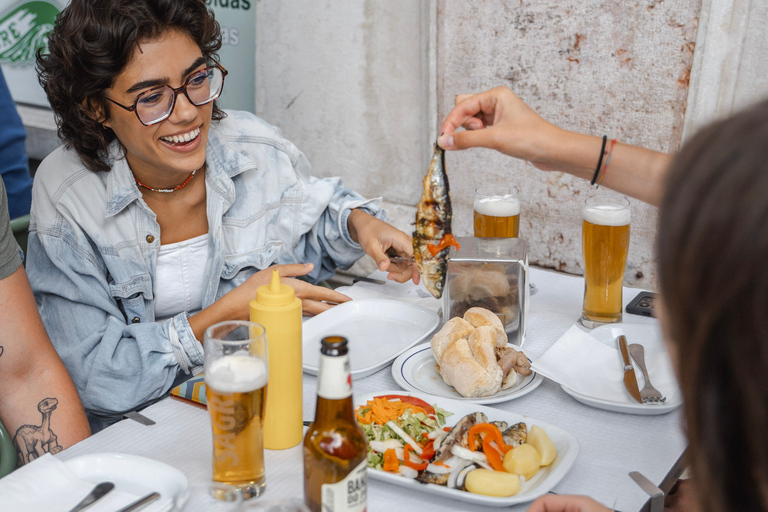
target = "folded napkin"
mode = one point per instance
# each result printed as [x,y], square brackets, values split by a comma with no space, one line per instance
[589,367]
[48,484]
[193,389]
[403,292]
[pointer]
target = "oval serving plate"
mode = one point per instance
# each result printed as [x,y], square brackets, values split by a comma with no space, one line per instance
[378,330]
[545,480]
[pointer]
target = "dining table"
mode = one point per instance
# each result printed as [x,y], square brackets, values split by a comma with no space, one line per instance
[611,444]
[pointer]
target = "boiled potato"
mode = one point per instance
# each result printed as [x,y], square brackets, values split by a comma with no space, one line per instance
[522,460]
[539,439]
[492,483]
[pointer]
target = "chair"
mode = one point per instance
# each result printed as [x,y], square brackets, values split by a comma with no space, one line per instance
[8,455]
[20,228]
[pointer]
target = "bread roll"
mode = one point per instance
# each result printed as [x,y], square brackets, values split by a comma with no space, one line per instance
[454,329]
[460,370]
[479,317]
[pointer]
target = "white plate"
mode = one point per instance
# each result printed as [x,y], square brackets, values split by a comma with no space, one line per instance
[414,370]
[565,443]
[378,330]
[133,474]
[648,335]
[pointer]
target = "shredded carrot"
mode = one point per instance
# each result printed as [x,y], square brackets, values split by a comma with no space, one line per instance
[381,410]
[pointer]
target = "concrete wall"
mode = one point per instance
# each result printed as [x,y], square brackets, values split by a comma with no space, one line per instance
[614,68]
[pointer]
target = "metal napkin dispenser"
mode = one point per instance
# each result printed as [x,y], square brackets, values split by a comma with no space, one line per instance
[490,273]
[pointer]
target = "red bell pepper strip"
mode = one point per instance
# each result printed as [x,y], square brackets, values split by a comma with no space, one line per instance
[391,463]
[406,458]
[411,400]
[429,450]
[491,433]
[447,240]
[494,456]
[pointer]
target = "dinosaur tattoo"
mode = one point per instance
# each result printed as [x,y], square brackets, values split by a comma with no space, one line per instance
[32,441]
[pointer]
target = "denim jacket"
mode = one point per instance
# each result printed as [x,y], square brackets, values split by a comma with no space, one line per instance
[94,242]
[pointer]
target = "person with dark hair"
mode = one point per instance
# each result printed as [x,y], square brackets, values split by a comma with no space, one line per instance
[162,213]
[39,406]
[14,166]
[712,249]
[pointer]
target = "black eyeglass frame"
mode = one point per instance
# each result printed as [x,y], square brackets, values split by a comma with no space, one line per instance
[183,88]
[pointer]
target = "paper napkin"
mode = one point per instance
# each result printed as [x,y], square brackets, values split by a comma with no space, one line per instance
[592,368]
[48,484]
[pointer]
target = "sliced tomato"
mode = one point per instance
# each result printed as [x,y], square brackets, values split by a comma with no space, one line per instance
[418,402]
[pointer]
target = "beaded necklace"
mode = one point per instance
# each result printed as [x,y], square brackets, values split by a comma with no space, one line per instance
[166,190]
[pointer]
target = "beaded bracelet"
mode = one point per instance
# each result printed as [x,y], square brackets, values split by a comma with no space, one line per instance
[607,161]
[600,161]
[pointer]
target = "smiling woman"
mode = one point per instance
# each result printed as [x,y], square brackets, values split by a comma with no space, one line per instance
[162,213]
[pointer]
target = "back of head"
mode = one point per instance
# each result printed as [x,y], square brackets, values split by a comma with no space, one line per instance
[91,43]
[713,249]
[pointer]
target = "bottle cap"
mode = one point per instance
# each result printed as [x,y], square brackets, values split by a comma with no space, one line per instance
[334,346]
[275,293]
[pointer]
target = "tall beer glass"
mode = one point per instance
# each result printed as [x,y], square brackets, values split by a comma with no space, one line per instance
[497,212]
[236,388]
[605,240]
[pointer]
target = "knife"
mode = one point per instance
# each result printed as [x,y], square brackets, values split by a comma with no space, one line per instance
[96,494]
[630,381]
[141,502]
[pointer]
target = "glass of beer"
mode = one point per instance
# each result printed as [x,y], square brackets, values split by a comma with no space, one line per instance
[497,212]
[605,241]
[236,389]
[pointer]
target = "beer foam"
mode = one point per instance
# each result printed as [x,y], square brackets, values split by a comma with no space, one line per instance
[236,374]
[505,205]
[607,215]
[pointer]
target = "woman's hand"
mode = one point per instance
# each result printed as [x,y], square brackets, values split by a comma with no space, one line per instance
[235,305]
[499,120]
[377,238]
[564,503]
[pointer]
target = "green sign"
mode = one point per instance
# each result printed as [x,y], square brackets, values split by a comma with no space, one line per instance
[24,30]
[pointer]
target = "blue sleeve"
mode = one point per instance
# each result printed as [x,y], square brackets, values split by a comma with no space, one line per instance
[115,364]
[14,166]
[325,207]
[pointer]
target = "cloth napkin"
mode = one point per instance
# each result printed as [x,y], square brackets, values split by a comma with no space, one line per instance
[403,292]
[48,484]
[592,368]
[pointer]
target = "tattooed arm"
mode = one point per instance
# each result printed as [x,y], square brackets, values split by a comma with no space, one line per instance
[39,405]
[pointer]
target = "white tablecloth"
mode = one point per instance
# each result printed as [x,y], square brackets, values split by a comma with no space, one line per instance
[611,444]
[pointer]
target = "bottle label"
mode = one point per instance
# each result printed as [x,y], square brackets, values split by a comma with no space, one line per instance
[334,380]
[348,495]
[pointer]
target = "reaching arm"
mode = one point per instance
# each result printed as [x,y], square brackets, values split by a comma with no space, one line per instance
[499,120]
[40,407]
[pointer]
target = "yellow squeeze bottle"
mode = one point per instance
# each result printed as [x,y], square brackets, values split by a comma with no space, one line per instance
[279,311]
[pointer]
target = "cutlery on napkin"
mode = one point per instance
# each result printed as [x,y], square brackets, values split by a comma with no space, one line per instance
[48,484]
[584,364]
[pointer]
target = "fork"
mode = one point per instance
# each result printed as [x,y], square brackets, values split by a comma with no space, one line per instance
[649,394]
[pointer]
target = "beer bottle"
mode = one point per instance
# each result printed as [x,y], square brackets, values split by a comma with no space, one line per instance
[335,448]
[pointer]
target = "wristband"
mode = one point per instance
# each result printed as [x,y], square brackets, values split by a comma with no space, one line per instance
[600,161]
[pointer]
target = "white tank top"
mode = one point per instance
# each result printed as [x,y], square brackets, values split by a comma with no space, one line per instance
[179,277]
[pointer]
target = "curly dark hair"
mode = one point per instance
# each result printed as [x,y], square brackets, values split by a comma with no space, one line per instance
[91,43]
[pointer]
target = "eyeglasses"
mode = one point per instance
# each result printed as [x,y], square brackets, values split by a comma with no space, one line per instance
[157,104]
